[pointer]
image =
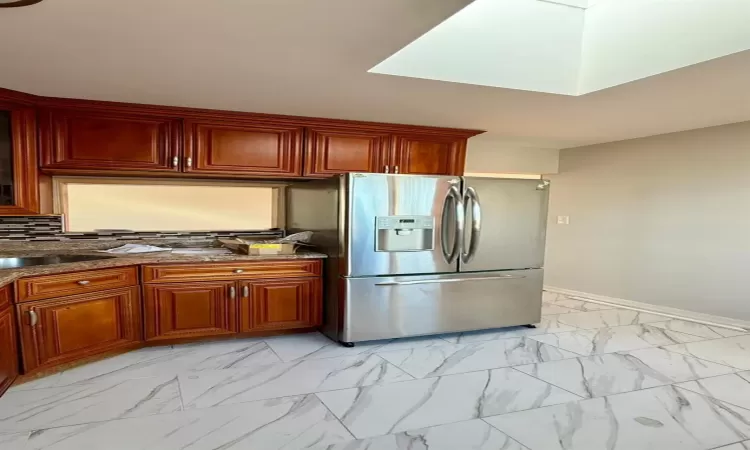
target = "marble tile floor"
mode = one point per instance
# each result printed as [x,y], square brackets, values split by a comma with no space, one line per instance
[589,377]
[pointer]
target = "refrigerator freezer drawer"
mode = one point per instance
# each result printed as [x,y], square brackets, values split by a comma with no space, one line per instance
[392,307]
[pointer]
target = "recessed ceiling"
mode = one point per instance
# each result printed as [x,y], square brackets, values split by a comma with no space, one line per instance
[312,58]
[572,47]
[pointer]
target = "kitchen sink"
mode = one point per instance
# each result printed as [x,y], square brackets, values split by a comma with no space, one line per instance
[29,261]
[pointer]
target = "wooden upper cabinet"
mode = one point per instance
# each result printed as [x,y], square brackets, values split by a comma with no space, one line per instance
[184,310]
[109,140]
[63,330]
[280,304]
[331,151]
[19,188]
[243,148]
[429,155]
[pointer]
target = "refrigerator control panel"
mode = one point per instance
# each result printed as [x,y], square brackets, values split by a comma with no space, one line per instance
[404,233]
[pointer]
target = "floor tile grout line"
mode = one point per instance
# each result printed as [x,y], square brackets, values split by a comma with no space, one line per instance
[335,416]
[580,397]
[179,392]
[711,396]
[654,313]
[673,383]
[730,444]
[664,347]
[525,447]
[273,351]
[396,366]
[703,339]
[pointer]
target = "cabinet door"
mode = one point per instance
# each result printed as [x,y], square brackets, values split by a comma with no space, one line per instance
[280,304]
[8,350]
[429,155]
[19,189]
[185,310]
[109,140]
[238,148]
[331,151]
[62,330]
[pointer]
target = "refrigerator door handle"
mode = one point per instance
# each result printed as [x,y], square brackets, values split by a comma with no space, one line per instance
[450,280]
[472,197]
[460,218]
[444,230]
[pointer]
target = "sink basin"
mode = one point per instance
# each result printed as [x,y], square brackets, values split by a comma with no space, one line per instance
[11,263]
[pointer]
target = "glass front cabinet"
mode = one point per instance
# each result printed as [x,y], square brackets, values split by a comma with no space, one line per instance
[19,191]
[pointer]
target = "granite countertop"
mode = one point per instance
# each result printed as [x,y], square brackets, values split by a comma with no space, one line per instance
[7,276]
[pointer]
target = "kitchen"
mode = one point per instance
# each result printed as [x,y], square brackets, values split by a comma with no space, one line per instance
[375,224]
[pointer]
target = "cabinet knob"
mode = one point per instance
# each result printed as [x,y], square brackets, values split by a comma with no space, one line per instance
[175,161]
[238,270]
[232,293]
[395,169]
[84,282]
[189,162]
[245,291]
[387,169]
[33,319]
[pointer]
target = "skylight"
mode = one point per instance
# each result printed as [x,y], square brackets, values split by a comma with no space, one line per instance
[572,47]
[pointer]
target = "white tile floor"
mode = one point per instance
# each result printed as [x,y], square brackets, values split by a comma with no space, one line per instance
[590,377]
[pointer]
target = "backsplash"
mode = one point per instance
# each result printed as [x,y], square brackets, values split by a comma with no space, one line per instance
[50,228]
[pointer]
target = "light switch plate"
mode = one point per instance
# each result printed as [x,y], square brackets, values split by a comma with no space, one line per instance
[563,220]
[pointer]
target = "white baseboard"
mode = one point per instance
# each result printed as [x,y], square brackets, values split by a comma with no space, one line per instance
[675,313]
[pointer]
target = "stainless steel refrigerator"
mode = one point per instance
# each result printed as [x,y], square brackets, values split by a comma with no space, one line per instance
[413,255]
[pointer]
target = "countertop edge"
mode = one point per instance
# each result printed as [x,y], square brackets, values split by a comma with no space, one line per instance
[8,276]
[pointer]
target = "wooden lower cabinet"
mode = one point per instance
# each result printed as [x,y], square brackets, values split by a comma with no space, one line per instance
[280,304]
[8,350]
[63,330]
[183,310]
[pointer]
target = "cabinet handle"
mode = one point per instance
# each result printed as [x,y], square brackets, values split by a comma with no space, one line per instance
[84,282]
[245,291]
[190,163]
[387,169]
[232,293]
[395,169]
[175,161]
[33,319]
[238,271]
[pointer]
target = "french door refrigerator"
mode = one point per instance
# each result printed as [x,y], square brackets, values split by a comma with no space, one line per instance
[413,255]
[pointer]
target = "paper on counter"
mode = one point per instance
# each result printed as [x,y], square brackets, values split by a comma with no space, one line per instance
[201,251]
[136,248]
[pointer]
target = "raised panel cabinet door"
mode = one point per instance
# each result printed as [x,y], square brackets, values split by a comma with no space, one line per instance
[185,310]
[237,148]
[429,155]
[70,328]
[109,140]
[8,350]
[334,151]
[19,187]
[280,304]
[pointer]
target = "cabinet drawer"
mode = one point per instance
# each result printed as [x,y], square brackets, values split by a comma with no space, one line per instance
[231,271]
[59,285]
[5,298]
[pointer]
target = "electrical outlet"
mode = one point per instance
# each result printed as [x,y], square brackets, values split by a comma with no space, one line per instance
[563,220]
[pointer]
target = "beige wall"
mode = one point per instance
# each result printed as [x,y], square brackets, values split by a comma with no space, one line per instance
[487,156]
[663,220]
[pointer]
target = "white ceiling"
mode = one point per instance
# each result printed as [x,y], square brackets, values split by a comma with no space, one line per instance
[311,58]
[544,46]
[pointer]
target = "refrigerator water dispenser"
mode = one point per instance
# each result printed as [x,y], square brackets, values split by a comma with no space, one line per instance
[404,233]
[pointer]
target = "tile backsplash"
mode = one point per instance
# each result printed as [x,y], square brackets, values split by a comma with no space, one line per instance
[50,228]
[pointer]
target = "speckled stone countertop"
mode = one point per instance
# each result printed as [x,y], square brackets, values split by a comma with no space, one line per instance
[9,275]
